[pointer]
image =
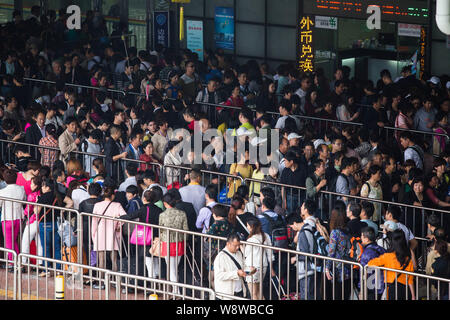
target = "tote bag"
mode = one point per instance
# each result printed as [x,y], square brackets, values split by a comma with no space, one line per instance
[142,235]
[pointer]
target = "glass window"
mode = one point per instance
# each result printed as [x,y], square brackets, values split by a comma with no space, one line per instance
[250,10]
[281,43]
[249,40]
[137,22]
[7,7]
[282,12]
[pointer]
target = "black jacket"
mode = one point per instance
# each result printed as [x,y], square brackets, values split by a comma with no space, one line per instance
[191,215]
[33,135]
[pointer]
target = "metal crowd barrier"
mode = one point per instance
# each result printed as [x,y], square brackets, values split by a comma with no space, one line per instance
[44,231]
[213,112]
[425,287]
[197,257]
[31,287]
[80,86]
[285,285]
[8,282]
[287,195]
[414,217]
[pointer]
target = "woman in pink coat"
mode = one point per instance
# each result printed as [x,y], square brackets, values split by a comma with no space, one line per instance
[106,234]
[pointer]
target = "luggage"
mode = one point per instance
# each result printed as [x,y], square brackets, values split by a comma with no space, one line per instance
[70,254]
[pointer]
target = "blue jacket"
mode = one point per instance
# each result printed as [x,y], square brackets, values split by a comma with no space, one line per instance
[134,205]
[372,251]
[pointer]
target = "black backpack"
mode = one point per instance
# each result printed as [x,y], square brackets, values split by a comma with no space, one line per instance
[279,231]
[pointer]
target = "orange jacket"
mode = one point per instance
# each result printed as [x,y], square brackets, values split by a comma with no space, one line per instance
[389,260]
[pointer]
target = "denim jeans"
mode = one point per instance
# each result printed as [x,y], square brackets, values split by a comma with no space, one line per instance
[306,288]
[51,241]
[293,202]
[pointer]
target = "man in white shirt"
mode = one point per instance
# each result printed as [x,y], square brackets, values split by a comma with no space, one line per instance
[130,172]
[285,109]
[228,270]
[394,213]
[205,213]
[302,91]
[194,192]
[91,146]
[79,195]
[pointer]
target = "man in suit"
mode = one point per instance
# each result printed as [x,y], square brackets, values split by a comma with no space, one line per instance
[68,140]
[35,133]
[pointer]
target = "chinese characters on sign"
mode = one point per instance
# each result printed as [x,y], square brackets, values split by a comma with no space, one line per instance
[194,35]
[306,54]
[161,31]
[423,52]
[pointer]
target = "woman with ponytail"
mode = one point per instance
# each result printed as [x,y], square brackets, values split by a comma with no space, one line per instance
[238,217]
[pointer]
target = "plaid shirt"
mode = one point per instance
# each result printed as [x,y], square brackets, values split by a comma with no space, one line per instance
[48,157]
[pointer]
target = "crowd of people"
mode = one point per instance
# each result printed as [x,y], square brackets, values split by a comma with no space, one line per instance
[118,156]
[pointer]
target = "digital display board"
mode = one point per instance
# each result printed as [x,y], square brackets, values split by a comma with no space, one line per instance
[407,11]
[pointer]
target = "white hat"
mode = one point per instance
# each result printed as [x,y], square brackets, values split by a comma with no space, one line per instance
[448,85]
[293,135]
[434,80]
[318,142]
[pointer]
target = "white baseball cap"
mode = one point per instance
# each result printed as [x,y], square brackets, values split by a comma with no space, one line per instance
[434,80]
[448,85]
[293,135]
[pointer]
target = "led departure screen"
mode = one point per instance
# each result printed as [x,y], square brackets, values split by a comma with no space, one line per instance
[408,11]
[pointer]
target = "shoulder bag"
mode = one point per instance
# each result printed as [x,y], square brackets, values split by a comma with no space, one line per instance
[247,294]
[142,235]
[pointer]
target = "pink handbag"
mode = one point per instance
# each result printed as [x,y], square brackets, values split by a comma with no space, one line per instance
[142,235]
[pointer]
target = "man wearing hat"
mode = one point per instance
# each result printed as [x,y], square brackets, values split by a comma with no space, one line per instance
[294,140]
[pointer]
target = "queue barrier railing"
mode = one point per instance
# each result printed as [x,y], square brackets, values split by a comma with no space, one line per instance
[43,230]
[286,195]
[32,288]
[213,108]
[80,86]
[198,258]
[280,265]
[8,261]
[425,287]
[414,215]
[292,196]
